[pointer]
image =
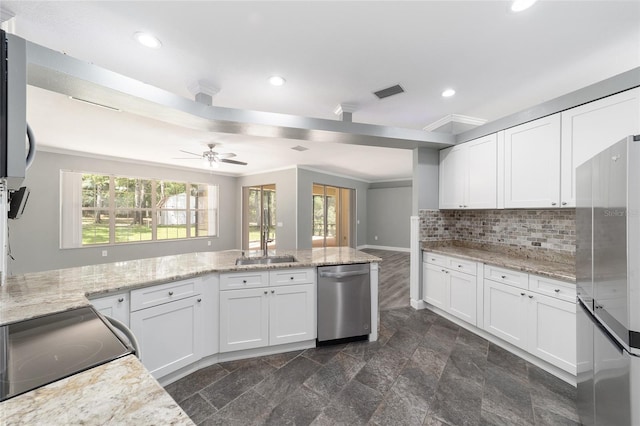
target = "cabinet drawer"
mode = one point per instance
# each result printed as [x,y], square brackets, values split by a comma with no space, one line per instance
[553,288]
[436,259]
[464,266]
[163,293]
[248,279]
[507,276]
[291,276]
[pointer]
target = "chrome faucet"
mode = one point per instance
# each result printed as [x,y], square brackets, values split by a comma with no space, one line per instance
[265,231]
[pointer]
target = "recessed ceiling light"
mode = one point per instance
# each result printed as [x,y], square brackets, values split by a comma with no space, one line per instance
[520,5]
[448,93]
[147,40]
[276,80]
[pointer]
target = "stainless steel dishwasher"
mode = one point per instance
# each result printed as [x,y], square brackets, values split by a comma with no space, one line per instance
[344,302]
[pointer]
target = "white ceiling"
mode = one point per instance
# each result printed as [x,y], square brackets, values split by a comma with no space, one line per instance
[329,53]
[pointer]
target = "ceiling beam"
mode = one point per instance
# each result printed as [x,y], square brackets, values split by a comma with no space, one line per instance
[63,74]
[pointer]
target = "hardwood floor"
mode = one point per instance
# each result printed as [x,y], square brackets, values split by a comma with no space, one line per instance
[393,279]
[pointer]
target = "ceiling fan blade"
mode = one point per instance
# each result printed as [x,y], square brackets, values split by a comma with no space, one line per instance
[241,163]
[192,153]
[185,158]
[222,156]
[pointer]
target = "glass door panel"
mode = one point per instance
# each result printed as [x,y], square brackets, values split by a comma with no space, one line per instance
[259,217]
[333,216]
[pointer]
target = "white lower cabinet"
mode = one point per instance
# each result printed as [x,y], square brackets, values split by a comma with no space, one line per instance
[267,316]
[244,319]
[552,331]
[504,312]
[167,320]
[542,325]
[453,291]
[292,314]
[113,306]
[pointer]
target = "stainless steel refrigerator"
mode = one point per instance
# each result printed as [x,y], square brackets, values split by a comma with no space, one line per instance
[608,285]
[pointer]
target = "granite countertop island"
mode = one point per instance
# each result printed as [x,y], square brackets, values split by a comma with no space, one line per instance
[121,391]
[549,264]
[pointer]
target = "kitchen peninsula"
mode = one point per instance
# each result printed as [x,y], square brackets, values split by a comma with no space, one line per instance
[37,294]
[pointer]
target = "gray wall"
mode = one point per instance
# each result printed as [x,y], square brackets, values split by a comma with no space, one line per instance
[388,213]
[285,181]
[425,179]
[35,237]
[306,179]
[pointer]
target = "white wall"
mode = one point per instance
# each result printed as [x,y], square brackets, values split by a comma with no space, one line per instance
[35,237]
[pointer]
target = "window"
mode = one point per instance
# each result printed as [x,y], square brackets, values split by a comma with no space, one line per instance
[107,209]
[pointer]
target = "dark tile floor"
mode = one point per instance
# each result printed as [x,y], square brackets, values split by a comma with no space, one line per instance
[424,370]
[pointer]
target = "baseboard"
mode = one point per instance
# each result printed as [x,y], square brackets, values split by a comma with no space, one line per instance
[388,248]
[418,304]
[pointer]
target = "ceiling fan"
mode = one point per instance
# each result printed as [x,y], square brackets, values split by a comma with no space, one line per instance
[212,157]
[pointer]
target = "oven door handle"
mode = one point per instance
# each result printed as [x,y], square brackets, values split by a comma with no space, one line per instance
[128,333]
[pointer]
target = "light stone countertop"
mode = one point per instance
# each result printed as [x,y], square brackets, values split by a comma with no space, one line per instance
[560,268]
[120,392]
[36,294]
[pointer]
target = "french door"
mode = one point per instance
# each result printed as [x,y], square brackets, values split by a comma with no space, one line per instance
[333,216]
[258,217]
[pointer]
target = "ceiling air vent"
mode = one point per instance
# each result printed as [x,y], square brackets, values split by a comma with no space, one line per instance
[299,148]
[389,91]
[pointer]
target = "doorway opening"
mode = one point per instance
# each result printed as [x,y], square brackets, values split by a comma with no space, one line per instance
[259,217]
[333,216]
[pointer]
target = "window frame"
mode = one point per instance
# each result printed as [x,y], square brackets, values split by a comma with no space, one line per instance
[70,219]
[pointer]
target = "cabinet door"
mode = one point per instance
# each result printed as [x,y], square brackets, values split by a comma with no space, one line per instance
[532,164]
[462,296]
[505,312]
[114,306]
[434,285]
[482,176]
[453,175]
[244,319]
[552,330]
[593,127]
[169,335]
[292,314]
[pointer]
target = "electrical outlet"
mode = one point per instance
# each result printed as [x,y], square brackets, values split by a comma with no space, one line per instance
[104,253]
[209,243]
[375,238]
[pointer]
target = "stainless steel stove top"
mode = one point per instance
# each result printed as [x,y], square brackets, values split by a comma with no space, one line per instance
[42,350]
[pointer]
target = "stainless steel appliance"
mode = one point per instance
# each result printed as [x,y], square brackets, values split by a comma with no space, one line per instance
[608,285]
[42,350]
[344,302]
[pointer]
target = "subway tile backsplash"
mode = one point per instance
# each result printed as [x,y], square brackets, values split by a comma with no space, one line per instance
[545,230]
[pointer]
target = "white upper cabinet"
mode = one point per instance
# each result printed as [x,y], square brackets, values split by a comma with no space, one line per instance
[590,128]
[453,175]
[532,164]
[468,175]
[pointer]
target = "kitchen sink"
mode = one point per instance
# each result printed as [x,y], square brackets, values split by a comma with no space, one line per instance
[265,260]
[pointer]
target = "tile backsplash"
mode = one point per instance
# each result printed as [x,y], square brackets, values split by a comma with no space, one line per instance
[553,230]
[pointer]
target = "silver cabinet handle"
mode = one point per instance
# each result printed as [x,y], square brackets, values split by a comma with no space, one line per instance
[244,281]
[170,293]
[265,292]
[530,297]
[557,290]
[461,206]
[292,278]
[199,300]
[503,276]
[564,203]
[521,294]
[553,204]
[120,299]
[273,291]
